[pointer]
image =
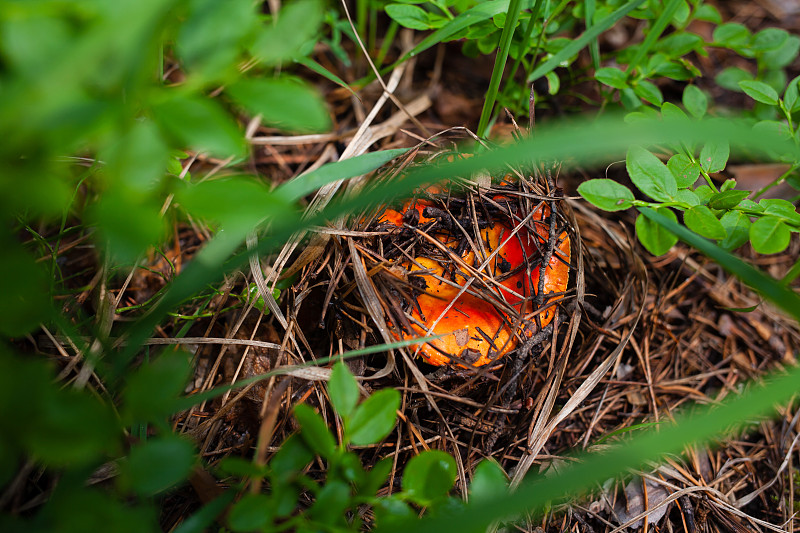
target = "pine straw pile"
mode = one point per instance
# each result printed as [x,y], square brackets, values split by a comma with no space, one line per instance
[636,339]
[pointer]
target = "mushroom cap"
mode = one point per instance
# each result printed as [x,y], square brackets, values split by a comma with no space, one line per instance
[482,325]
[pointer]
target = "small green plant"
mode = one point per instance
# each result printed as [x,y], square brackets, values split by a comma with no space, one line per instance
[426,481]
[723,213]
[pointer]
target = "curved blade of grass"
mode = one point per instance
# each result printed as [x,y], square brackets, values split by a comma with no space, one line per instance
[194,399]
[583,40]
[322,71]
[581,141]
[769,288]
[512,16]
[348,168]
[696,426]
[655,32]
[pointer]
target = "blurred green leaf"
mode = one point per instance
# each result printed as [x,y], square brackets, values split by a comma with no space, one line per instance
[650,175]
[199,123]
[409,16]
[731,34]
[314,431]
[332,501]
[695,101]
[202,519]
[376,477]
[114,215]
[613,77]
[392,511]
[606,194]
[429,476]
[782,56]
[157,464]
[294,27]
[730,77]
[213,37]
[488,480]
[153,390]
[293,456]
[137,160]
[286,103]
[59,434]
[24,291]
[251,512]
[343,390]
[653,236]
[374,418]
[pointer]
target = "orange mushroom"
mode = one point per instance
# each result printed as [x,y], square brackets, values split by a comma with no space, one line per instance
[483,321]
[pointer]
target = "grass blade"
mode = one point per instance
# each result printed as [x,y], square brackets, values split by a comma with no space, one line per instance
[594,46]
[583,40]
[512,16]
[655,32]
[702,425]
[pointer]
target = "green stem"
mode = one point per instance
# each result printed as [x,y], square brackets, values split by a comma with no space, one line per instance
[499,64]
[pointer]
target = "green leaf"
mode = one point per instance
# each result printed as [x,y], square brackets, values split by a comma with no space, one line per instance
[286,103]
[199,123]
[252,512]
[727,199]
[293,456]
[704,192]
[760,92]
[737,229]
[732,35]
[649,92]
[413,17]
[606,194]
[112,215]
[343,390]
[296,25]
[684,169]
[655,238]
[314,431]
[769,235]
[781,207]
[374,418]
[714,156]
[769,39]
[708,13]
[488,480]
[429,476]
[376,477]
[695,101]
[331,503]
[650,175]
[730,77]
[702,221]
[688,196]
[24,290]
[790,96]
[392,511]
[775,60]
[613,77]
[158,464]
[229,22]
[152,392]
